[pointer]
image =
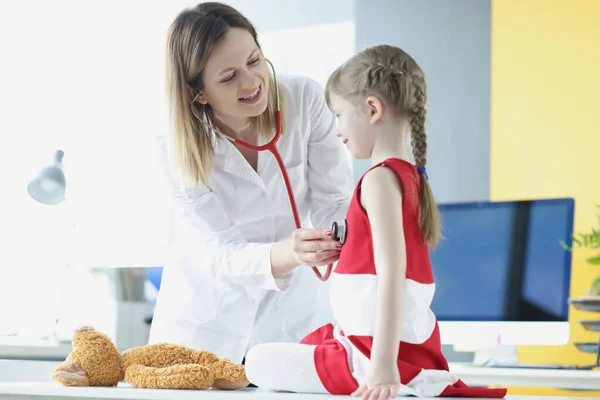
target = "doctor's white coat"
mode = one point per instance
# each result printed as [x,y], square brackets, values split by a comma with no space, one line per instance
[217,291]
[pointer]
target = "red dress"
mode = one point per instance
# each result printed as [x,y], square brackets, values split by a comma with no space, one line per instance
[342,355]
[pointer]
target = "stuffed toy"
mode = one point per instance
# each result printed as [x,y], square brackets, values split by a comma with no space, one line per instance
[95,361]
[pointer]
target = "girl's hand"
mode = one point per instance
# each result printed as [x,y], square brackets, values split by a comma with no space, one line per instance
[380,384]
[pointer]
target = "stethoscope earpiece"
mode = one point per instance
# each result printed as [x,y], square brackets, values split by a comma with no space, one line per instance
[340,231]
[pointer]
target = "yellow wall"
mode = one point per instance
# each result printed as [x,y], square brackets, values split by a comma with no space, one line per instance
[545,132]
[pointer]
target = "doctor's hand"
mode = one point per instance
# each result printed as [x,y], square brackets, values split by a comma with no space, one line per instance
[313,247]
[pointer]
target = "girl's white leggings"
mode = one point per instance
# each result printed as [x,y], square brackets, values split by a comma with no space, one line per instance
[284,367]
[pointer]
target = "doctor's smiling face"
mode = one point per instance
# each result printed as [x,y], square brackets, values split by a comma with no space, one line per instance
[215,68]
[236,77]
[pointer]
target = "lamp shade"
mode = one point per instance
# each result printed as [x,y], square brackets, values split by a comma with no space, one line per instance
[49,185]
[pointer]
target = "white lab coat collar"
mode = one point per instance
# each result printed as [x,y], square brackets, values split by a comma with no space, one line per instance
[226,153]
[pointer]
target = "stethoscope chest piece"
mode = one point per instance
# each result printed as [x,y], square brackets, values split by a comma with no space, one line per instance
[340,231]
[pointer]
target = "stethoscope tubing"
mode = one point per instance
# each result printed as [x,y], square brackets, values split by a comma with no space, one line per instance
[271,146]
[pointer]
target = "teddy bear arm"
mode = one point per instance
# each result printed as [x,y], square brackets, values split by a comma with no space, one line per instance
[224,385]
[229,375]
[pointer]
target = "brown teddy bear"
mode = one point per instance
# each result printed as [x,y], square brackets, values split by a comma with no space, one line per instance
[95,361]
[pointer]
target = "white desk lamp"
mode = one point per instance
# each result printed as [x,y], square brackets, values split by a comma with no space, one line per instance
[49,185]
[127,325]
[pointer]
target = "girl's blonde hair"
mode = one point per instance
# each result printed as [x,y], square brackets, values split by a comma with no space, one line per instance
[392,74]
[190,41]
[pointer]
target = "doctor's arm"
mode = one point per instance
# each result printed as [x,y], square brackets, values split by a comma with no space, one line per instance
[208,244]
[381,196]
[329,173]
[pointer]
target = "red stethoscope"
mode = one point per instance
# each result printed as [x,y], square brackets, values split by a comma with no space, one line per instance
[339,230]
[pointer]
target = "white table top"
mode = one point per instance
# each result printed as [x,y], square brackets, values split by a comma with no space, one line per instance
[32,380]
[41,390]
[523,377]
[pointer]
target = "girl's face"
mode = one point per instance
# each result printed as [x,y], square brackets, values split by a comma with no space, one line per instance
[354,127]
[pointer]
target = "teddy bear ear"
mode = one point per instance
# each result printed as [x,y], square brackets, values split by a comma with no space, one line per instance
[73,373]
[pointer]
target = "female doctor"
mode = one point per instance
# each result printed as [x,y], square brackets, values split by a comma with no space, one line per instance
[239,274]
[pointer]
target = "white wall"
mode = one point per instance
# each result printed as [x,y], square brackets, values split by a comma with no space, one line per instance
[87,78]
[277,15]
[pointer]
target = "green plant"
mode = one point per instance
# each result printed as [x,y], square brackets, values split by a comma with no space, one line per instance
[589,240]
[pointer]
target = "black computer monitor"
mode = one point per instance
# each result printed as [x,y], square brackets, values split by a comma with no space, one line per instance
[504,262]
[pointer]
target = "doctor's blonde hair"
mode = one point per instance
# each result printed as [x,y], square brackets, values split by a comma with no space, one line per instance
[391,74]
[190,41]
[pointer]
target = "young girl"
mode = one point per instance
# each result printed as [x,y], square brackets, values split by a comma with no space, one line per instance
[386,341]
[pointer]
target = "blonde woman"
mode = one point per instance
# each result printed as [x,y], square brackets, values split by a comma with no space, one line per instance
[233,279]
